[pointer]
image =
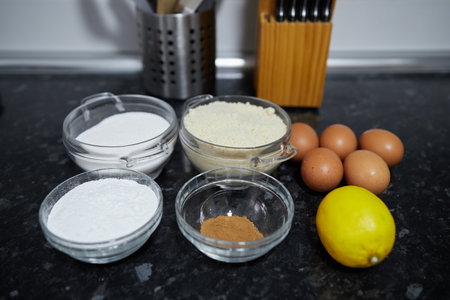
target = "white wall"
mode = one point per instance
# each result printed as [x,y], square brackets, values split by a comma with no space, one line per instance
[45,31]
[391,25]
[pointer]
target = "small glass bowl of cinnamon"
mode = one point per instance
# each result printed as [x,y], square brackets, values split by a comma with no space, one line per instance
[233,214]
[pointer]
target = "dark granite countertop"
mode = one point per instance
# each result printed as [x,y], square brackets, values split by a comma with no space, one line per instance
[33,161]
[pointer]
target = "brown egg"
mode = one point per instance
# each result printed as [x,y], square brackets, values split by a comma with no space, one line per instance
[322,169]
[304,138]
[339,138]
[368,170]
[384,143]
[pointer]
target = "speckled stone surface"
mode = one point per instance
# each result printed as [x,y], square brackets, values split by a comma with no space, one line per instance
[33,161]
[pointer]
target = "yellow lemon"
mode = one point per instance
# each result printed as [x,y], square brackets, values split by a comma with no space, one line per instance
[355,227]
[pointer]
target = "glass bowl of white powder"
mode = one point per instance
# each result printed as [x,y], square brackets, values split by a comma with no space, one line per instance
[234,193]
[235,131]
[101,216]
[121,131]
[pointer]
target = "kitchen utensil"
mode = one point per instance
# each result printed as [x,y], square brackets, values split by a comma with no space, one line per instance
[189,6]
[303,10]
[280,12]
[166,6]
[292,56]
[292,11]
[178,52]
[315,11]
[326,11]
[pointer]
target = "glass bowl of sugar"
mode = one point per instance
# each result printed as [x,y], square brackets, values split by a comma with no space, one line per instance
[101,216]
[121,131]
[234,215]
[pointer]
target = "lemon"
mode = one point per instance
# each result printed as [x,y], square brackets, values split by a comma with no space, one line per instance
[355,227]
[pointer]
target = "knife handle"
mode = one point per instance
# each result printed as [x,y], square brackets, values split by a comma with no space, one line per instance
[292,11]
[315,11]
[303,10]
[280,11]
[326,11]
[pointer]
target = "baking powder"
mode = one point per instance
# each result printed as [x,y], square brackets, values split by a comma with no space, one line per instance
[101,210]
[125,129]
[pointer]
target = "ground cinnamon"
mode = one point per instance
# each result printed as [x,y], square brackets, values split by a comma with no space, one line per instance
[230,228]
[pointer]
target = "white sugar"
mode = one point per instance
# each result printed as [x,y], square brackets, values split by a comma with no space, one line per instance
[124,129]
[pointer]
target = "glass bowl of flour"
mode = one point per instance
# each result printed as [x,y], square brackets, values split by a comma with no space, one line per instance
[121,131]
[101,216]
[235,131]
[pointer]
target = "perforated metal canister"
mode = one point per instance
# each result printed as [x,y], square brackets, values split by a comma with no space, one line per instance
[178,52]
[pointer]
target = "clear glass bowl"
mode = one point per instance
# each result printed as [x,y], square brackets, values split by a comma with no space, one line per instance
[207,156]
[148,156]
[108,251]
[235,191]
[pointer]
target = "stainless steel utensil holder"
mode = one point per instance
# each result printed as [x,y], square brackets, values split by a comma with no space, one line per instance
[178,53]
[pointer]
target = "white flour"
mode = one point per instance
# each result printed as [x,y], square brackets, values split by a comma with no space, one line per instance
[102,210]
[124,129]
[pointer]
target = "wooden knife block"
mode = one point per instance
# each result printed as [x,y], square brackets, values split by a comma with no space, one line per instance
[291,60]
